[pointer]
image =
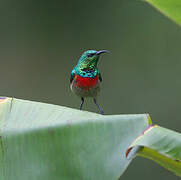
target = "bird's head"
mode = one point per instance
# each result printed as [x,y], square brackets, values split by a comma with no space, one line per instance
[90,58]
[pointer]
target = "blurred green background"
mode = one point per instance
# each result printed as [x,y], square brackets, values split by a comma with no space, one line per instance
[41,41]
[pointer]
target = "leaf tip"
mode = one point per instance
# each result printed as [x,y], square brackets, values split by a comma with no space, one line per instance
[149,119]
[128,151]
[132,151]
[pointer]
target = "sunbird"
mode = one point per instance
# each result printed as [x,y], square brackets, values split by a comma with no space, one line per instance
[85,77]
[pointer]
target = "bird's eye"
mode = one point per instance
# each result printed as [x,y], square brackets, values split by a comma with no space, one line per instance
[90,54]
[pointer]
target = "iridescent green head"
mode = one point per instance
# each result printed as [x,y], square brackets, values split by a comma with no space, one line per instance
[89,59]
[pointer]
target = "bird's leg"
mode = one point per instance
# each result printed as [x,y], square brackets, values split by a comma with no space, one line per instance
[82,102]
[100,109]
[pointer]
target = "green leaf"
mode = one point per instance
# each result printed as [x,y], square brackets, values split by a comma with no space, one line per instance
[161,145]
[171,8]
[44,142]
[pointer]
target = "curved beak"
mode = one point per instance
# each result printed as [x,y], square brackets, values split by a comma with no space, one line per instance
[102,51]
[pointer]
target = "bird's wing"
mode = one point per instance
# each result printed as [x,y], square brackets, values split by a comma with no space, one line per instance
[100,77]
[72,76]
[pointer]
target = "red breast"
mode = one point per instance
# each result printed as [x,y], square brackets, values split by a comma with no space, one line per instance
[85,82]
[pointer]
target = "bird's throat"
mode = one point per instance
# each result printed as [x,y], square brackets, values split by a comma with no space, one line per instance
[88,64]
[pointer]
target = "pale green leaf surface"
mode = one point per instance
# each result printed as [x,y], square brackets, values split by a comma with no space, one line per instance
[43,141]
[170,8]
[161,145]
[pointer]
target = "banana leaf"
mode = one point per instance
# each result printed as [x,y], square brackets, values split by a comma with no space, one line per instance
[161,145]
[170,8]
[44,141]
